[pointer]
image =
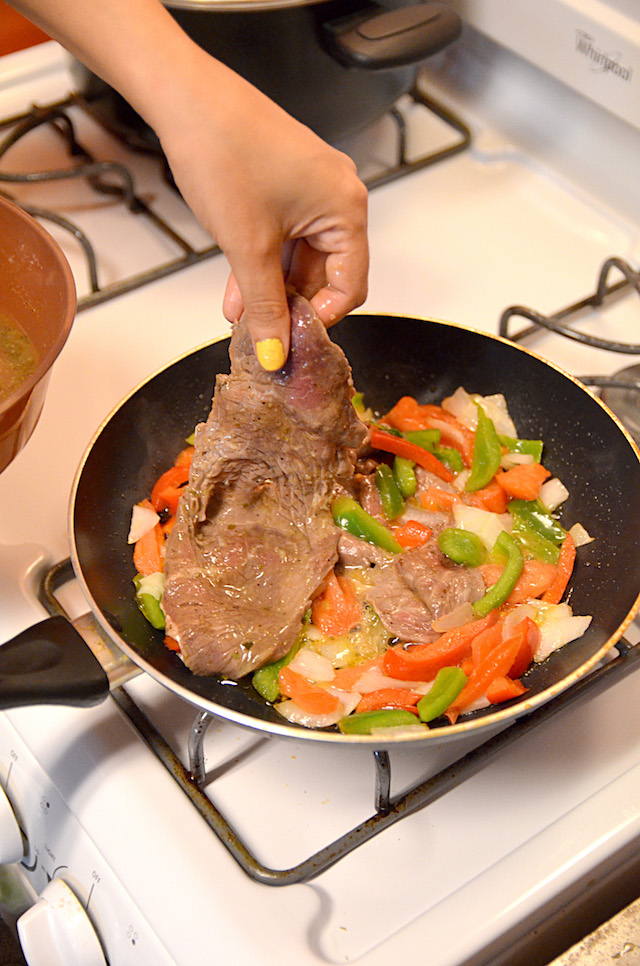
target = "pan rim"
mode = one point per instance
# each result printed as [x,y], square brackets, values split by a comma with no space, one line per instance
[489,722]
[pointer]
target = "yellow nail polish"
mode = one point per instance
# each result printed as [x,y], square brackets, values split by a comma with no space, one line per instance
[270,354]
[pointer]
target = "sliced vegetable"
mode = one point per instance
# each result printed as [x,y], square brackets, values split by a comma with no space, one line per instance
[462,546]
[405,476]
[265,680]
[411,451]
[167,489]
[533,543]
[491,497]
[421,662]
[350,516]
[536,516]
[447,686]
[337,609]
[413,534]
[390,496]
[528,447]
[388,698]
[504,689]
[493,665]
[148,596]
[536,577]
[500,591]
[487,454]
[566,561]
[363,723]
[307,695]
[523,482]
[149,549]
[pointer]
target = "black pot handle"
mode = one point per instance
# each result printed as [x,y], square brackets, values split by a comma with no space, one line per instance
[394,38]
[49,663]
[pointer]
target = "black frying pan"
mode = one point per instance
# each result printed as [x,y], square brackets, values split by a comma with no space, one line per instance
[391,356]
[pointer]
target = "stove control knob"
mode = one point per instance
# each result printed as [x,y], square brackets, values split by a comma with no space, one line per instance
[11,844]
[56,931]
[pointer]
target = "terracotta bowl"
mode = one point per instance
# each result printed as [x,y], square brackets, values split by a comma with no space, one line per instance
[37,291]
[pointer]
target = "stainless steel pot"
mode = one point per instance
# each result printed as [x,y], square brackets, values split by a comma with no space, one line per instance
[335,65]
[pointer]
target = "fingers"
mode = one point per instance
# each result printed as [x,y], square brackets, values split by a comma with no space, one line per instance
[262,302]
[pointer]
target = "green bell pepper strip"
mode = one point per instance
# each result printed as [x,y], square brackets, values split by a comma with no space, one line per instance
[358,402]
[405,476]
[448,684]
[497,594]
[462,546]
[350,516]
[149,604]
[450,457]
[266,681]
[390,496]
[363,722]
[530,447]
[152,610]
[487,454]
[533,543]
[536,516]
[427,438]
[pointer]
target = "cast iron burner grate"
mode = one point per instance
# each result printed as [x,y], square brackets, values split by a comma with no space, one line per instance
[116,180]
[388,810]
[620,390]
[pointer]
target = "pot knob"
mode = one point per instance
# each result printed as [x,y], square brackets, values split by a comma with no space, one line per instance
[57,931]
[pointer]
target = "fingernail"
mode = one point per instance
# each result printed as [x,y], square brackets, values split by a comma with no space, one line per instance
[270,354]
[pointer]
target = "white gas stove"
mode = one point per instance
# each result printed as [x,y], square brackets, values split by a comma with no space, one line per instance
[526,215]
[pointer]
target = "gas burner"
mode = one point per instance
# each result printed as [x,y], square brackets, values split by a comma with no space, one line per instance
[559,321]
[620,390]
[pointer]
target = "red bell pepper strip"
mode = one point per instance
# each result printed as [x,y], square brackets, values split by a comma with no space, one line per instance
[423,661]
[337,609]
[410,451]
[309,696]
[388,698]
[412,534]
[523,482]
[168,487]
[553,594]
[495,664]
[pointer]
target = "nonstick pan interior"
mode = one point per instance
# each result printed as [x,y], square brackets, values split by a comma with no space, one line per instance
[390,357]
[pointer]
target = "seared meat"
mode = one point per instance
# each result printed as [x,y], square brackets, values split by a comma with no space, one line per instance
[419,586]
[254,537]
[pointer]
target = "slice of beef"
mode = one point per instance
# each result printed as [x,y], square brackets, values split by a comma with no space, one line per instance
[419,586]
[254,537]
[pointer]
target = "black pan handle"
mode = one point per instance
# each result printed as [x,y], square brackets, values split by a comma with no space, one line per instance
[394,38]
[49,663]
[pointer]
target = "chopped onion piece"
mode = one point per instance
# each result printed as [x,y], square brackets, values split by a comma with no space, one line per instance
[510,460]
[555,633]
[294,713]
[462,406]
[455,618]
[515,616]
[312,666]
[143,519]
[495,407]
[580,535]
[553,493]
[488,526]
[460,481]
[152,584]
[375,679]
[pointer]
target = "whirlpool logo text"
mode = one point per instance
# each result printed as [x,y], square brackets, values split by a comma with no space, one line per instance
[601,60]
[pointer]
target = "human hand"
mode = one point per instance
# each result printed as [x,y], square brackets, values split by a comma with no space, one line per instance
[284,206]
